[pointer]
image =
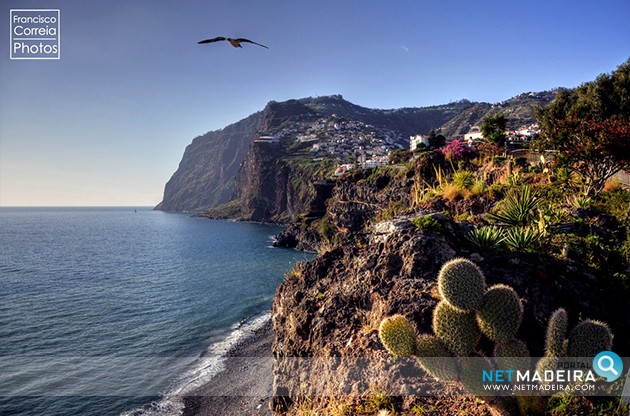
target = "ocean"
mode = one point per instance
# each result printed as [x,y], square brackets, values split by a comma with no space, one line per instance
[117,311]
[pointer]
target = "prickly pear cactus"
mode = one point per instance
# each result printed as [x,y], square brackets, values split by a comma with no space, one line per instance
[398,336]
[557,333]
[435,358]
[456,329]
[462,284]
[500,314]
[589,338]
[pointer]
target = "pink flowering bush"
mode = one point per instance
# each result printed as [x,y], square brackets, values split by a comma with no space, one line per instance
[455,150]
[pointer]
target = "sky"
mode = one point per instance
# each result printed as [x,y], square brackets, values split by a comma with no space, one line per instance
[108,122]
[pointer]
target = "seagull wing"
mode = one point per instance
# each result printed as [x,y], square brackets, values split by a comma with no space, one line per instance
[250,41]
[212,40]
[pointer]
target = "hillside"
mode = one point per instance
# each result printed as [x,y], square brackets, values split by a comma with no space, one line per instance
[207,173]
[518,110]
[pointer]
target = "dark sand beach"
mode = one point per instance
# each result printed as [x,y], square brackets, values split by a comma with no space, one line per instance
[244,387]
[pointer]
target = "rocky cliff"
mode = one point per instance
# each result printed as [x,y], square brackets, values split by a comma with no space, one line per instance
[205,176]
[380,263]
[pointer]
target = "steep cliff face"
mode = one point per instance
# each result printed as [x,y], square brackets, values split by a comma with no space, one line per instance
[205,176]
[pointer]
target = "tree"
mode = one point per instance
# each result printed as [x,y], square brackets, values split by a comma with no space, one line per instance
[436,140]
[493,128]
[590,128]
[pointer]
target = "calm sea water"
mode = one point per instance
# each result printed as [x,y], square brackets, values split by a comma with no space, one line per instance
[111,311]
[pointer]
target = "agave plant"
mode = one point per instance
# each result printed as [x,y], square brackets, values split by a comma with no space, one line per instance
[578,201]
[485,238]
[519,208]
[522,238]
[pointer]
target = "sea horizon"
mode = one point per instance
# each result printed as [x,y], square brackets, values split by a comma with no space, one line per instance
[102,284]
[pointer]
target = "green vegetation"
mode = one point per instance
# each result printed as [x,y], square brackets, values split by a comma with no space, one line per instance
[462,284]
[500,314]
[588,338]
[493,129]
[398,336]
[456,329]
[450,353]
[427,222]
[519,208]
[590,127]
[485,238]
[557,333]
[565,404]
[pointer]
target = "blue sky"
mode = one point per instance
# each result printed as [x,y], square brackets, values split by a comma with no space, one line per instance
[107,124]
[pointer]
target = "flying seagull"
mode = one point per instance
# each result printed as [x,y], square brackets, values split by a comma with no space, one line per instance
[234,42]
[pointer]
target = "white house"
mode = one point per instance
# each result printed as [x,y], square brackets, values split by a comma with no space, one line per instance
[417,139]
[473,134]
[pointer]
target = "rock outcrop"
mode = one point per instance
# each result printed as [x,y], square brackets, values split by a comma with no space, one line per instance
[205,176]
[327,311]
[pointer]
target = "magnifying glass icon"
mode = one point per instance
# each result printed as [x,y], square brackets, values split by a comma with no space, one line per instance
[611,364]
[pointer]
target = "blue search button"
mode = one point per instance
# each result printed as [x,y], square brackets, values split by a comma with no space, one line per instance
[607,364]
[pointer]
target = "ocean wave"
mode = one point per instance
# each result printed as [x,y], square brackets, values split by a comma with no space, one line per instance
[202,370]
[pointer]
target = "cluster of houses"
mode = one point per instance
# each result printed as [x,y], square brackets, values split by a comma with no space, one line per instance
[357,145]
[522,134]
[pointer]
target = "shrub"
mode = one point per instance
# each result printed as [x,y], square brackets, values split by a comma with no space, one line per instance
[463,179]
[427,222]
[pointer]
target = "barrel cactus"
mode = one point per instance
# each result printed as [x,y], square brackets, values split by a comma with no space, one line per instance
[589,338]
[462,284]
[435,358]
[557,333]
[500,314]
[398,336]
[456,329]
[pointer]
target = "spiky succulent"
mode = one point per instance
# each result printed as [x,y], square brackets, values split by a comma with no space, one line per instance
[547,363]
[471,373]
[435,358]
[398,336]
[462,284]
[512,355]
[500,314]
[557,333]
[589,338]
[456,329]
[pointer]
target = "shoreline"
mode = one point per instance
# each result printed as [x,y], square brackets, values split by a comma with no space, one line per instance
[244,387]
